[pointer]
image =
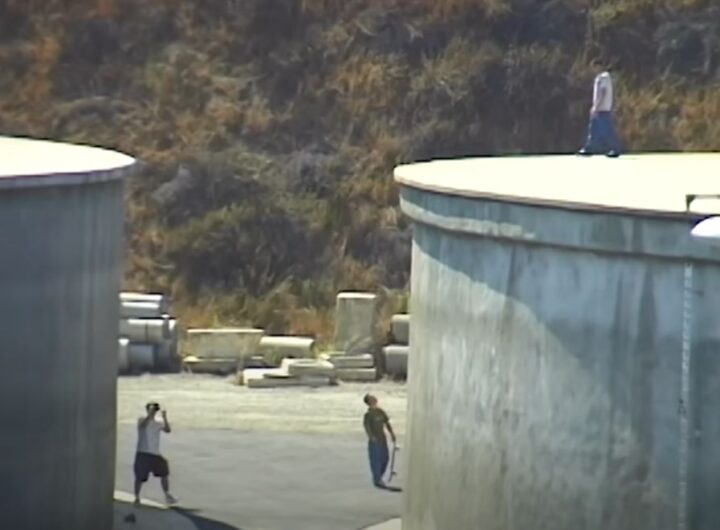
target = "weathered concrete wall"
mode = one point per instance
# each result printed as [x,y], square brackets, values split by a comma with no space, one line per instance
[60,256]
[547,376]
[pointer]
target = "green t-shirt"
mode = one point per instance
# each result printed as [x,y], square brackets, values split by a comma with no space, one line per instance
[374,421]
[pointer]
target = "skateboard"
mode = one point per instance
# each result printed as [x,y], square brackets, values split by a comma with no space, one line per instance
[392,463]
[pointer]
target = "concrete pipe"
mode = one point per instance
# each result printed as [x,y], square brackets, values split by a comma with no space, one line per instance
[132,309]
[396,360]
[168,358]
[123,359]
[154,298]
[141,357]
[275,349]
[224,343]
[61,224]
[147,330]
[401,329]
[355,319]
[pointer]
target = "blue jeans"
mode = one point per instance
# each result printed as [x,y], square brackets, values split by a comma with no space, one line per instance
[602,137]
[379,458]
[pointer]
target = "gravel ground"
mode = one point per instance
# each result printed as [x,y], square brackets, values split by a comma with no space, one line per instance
[206,402]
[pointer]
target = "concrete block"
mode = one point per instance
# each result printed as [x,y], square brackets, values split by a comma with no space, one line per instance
[357,374]
[209,366]
[396,360]
[342,362]
[355,320]
[147,330]
[123,361]
[400,329]
[275,349]
[308,367]
[224,343]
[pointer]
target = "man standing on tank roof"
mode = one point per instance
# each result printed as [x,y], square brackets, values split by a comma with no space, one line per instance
[375,423]
[147,457]
[602,136]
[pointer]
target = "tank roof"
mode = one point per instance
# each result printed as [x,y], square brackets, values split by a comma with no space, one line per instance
[29,163]
[641,183]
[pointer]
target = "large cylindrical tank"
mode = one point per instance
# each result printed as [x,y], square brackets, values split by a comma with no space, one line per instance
[565,368]
[61,211]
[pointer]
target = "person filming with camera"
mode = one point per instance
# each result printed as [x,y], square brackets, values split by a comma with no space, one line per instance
[147,456]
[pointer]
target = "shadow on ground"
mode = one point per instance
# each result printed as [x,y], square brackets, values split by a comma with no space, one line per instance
[152,516]
[203,523]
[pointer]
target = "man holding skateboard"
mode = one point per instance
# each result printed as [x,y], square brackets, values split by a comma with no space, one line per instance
[147,457]
[375,423]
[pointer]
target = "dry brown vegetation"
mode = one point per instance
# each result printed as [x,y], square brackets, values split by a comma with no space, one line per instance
[269,128]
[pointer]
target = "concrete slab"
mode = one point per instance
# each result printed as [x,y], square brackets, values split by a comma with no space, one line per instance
[299,367]
[282,377]
[209,366]
[224,343]
[341,362]
[274,349]
[634,182]
[267,481]
[357,374]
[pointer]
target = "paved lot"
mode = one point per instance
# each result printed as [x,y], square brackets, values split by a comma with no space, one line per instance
[267,476]
[206,402]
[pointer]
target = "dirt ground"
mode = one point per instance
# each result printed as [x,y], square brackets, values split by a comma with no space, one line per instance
[208,402]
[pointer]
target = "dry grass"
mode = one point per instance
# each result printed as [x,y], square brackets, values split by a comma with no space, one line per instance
[367,83]
[698,126]
[436,80]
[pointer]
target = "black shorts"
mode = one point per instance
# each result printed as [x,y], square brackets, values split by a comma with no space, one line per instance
[145,463]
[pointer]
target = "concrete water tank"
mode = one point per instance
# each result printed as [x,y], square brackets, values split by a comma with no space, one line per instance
[565,369]
[61,211]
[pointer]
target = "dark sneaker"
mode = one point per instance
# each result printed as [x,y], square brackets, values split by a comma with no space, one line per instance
[613,154]
[584,152]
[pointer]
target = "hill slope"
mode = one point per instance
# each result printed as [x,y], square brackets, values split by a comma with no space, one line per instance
[269,128]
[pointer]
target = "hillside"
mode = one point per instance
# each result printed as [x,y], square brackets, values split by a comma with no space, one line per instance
[268,129]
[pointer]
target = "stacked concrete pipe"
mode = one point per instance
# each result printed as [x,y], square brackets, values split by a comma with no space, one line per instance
[148,334]
[397,353]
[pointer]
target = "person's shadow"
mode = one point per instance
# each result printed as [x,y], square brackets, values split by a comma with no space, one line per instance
[203,523]
[127,516]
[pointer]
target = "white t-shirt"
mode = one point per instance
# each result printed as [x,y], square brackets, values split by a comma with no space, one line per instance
[604,104]
[149,436]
